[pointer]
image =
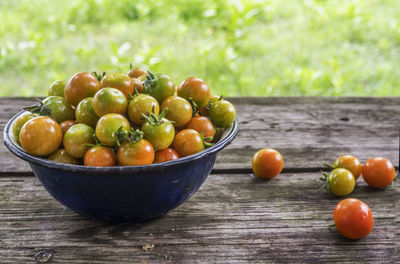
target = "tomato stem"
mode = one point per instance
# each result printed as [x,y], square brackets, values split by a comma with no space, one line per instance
[194,106]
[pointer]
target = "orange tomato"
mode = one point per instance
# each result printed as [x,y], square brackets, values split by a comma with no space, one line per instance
[137,72]
[350,163]
[79,87]
[166,155]
[99,156]
[188,142]
[135,153]
[65,125]
[197,89]
[201,123]
[378,172]
[267,163]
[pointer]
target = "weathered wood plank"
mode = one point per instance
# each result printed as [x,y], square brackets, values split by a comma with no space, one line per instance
[231,219]
[308,131]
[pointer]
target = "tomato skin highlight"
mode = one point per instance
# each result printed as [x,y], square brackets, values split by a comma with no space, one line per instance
[119,81]
[57,88]
[40,136]
[108,101]
[80,86]
[179,110]
[201,123]
[350,163]
[135,153]
[166,155]
[188,142]
[341,182]
[99,156]
[62,156]
[267,163]
[142,104]
[75,138]
[67,124]
[197,89]
[107,125]
[353,218]
[378,172]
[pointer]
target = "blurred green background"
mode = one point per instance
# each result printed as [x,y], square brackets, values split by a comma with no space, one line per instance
[241,48]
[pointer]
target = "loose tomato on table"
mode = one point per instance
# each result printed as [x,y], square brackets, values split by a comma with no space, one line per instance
[77,139]
[40,136]
[119,81]
[222,113]
[108,126]
[378,172]
[350,163]
[85,113]
[202,123]
[267,163]
[158,130]
[166,155]
[67,124]
[189,141]
[340,181]
[62,156]
[196,89]
[134,150]
[353,218]
[79,87]
[19,122]
[99,156]
[159,86]
[109,100]
[179,110]
[57,88]
[142,104]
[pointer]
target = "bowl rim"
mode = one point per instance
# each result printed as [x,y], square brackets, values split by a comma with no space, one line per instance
[19,152]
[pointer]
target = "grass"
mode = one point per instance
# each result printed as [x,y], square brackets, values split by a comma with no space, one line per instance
[241,48]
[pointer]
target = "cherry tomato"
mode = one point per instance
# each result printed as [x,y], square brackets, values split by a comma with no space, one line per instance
[85,113]
[341,182]
[160,86]
[120,81]
[378,172]
[158,131]
[188,142]
[179,110]
[108,125]
[138,85]
[79,87]
[60,110]
[57,88]
[202,123]
[40,136]
[204,110]
[137,72]
[62,156]
[350,163]
[166,155]
[99,156]
[109,100]
[135,153]
[76,138]
[67,124]
[267,163]
[353,218]
[197,89]
[222,113]
[142,104]
[19,122]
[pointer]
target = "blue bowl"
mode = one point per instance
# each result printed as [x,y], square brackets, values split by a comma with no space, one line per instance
[123,194]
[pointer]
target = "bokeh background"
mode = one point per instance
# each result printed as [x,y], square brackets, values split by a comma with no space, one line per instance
[241,48]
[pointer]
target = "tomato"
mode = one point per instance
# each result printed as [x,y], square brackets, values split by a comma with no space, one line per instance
[159,131]
[341,182]
[166,155]
[135,153]
[85,113]
[62,156]
[109,100]
[197,89]
[179,110]
[222,113]
[204,110]
[99,156]
[138,85]
[267,163]
[142,104]
[350,163]
[67,124]
[57,88]
[56,107]
[188,142]
[202,123]
[137,72]
[19,122]
[378,172]
[160,86]
[108,125]
[79,87]
[120,81]
[76,139]
[353,218]
[40,136]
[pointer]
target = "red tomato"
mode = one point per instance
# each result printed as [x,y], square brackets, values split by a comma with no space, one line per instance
[353,218]
[79,87]
[267,163]
[197,89]
[378,172]
[201,123]
[166,155]
[188,142]
[99,156]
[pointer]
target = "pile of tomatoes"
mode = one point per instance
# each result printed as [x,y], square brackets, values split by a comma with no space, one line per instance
[123,119]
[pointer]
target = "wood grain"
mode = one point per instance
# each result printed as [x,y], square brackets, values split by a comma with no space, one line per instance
[233,218]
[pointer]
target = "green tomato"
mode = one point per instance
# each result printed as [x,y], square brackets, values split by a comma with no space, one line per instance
[62,156]
[108,125]
[160,86]
[57,88]
[60,110]
[85,114]
[75,139]
[179,110]
[159,135]
[19,122]
[109,100]
[222,113]
[142,104]
[341,182]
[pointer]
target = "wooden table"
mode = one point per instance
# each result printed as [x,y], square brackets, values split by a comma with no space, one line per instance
[234,217]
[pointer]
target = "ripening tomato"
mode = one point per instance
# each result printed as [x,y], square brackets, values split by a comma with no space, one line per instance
[179,110]
[267,163]
[108,125]
[202,123]
[378,172]
[67,124]
[159,131]
[62,156]
[350,163]
[166,155]
[19,122]
[197,89]
[135,153]
[109,100]
[222,113]
[137,72]
[138,85]
[99,156]
[85,114]
[119,81]
[60,110]
[142,104]
[57,88]
[76,139]
[353,218]
[341,182]
[40,136]
[160,86]
[204,110]
[79,87]
[188,142]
